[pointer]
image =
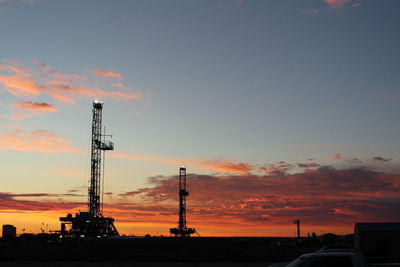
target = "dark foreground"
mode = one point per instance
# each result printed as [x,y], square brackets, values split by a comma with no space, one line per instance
[135,264]
[154,252]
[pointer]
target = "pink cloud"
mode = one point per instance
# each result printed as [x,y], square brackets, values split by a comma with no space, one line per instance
[39,140]
[220,165]
[29,202]
[357,4]
[117,84]
[106,73]
[22,81]
[230,166]
[325,196]
[336,4]
[36,108]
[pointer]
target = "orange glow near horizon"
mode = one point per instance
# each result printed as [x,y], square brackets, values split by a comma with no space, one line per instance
[34,222]
[324,199]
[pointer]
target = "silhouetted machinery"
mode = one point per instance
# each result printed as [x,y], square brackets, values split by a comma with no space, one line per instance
[92,223]
[182,230]
[297,222]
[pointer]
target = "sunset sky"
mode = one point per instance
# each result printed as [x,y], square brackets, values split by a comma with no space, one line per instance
[280,109]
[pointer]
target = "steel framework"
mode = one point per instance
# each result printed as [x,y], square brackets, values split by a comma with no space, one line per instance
[93,223]
[182,230]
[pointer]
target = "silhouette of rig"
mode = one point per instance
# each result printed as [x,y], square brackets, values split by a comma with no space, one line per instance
[93,223]
[182,230]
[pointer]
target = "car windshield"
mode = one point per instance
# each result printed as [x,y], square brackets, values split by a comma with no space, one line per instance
[296,262]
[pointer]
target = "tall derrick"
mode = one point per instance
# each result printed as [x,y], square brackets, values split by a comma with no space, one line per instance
[98,146]
[92,223]
[182,229]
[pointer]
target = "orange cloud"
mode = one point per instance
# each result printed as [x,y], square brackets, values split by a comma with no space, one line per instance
[325,196]
[39,140]
[336,4]
[29,202]
[117,84]
[243,205]
[20,86]
[22,81]
[106,73]
[224,165]
[220,165]
[36,108]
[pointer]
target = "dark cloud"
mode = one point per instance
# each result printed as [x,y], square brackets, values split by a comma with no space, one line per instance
[308,165]
[35,107]
[12,202]
[325,195]
[322,195]
[381,159]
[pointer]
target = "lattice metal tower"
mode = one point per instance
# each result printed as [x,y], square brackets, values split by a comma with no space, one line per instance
[99,145]
[182,229]
[92,223]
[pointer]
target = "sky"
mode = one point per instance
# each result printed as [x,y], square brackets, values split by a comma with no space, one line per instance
[279,109]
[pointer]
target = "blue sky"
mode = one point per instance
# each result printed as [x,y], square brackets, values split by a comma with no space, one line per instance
[251,81]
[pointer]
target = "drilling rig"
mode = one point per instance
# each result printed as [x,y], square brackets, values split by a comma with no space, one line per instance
[182,229]
[93,223]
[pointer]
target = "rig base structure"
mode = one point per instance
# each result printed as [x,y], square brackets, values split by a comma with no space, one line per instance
[185,232]
[83,226]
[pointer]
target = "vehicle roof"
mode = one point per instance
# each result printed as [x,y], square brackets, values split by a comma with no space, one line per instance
[331,253]
[339,250]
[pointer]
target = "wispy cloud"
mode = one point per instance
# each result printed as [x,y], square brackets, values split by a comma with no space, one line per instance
[381,159]
[24,81]
[117,84]
[224,165]
[36,108]
[39,140]
[336,4]
[218,165]
[308,165]
[106,73]
[234,167]
[310,11]
[30,202]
